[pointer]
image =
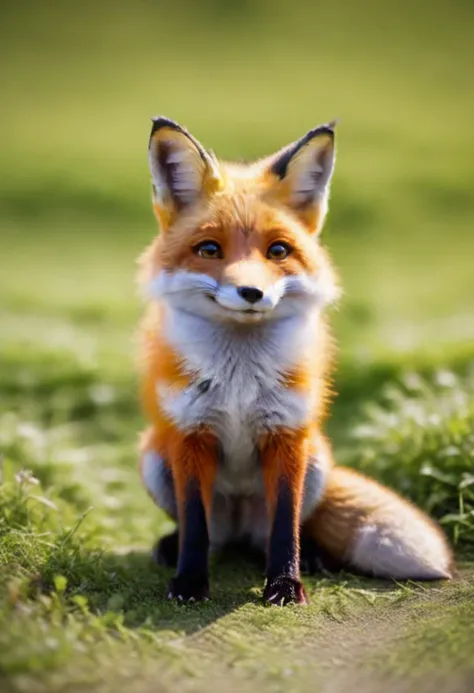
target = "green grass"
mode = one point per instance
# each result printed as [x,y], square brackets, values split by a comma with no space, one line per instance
[81,605]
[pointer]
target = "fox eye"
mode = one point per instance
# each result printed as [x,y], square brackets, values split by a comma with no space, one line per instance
[278,251]
[208,249]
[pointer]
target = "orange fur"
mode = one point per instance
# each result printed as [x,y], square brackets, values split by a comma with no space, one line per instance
[192,457]
[284,456]
[246,209]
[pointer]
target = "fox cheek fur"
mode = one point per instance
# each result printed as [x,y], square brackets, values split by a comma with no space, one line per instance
[235,363]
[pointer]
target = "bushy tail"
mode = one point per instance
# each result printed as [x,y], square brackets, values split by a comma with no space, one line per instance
[371,529]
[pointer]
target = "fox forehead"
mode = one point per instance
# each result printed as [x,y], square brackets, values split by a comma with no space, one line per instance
[245,226]
[240,216]
[242,210]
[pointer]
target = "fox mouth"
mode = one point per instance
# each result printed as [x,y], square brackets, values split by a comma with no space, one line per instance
[244,311]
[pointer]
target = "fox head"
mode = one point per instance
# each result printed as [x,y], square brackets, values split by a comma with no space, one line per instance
[239,243]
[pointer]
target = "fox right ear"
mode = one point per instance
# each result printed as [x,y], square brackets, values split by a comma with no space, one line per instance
[298,176]
[182,171]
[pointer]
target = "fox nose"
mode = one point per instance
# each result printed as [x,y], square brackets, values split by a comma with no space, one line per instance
[250,293]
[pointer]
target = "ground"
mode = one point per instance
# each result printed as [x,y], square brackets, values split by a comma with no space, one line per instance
[81,604]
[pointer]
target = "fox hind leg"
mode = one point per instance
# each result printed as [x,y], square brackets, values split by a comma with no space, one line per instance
[165,551]
[158,481]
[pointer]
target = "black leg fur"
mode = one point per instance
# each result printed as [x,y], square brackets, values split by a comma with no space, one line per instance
[283,583]
[191,582]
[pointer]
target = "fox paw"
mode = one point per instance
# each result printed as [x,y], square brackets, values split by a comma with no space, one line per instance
[284,590]
[188,589]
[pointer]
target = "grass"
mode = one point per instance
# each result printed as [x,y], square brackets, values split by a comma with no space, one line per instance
[419,439]
[81,605]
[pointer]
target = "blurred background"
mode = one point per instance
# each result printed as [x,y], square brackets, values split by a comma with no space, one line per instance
[81,80]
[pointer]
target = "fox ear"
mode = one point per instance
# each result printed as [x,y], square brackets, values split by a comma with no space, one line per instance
[298,176]
[182,171]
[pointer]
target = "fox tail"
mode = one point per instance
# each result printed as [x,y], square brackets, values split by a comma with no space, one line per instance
[367,527]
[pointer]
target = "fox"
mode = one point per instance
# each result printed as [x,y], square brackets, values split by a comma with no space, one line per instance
[235,376]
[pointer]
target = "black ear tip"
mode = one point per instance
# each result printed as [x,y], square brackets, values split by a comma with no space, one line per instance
[280,165]
[159,122]
[326,129]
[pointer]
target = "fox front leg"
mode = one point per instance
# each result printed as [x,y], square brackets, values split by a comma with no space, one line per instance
[284,457]
[193,460]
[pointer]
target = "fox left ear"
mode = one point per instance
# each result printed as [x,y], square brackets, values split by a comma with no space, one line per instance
[298,176]
[181,169]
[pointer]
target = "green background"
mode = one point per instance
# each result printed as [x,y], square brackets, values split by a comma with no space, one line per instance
[80,603]
[81,81]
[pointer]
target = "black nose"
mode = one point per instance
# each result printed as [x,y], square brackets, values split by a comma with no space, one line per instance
[250,293]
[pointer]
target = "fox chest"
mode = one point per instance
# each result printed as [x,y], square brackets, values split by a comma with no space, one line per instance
[238,409]
[238,392]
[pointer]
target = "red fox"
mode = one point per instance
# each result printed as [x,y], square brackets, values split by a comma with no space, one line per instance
[236,356]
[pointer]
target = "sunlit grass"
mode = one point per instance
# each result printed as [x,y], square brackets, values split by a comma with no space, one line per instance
[80,602]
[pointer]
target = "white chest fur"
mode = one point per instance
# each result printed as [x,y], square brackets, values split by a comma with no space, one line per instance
[238,390]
